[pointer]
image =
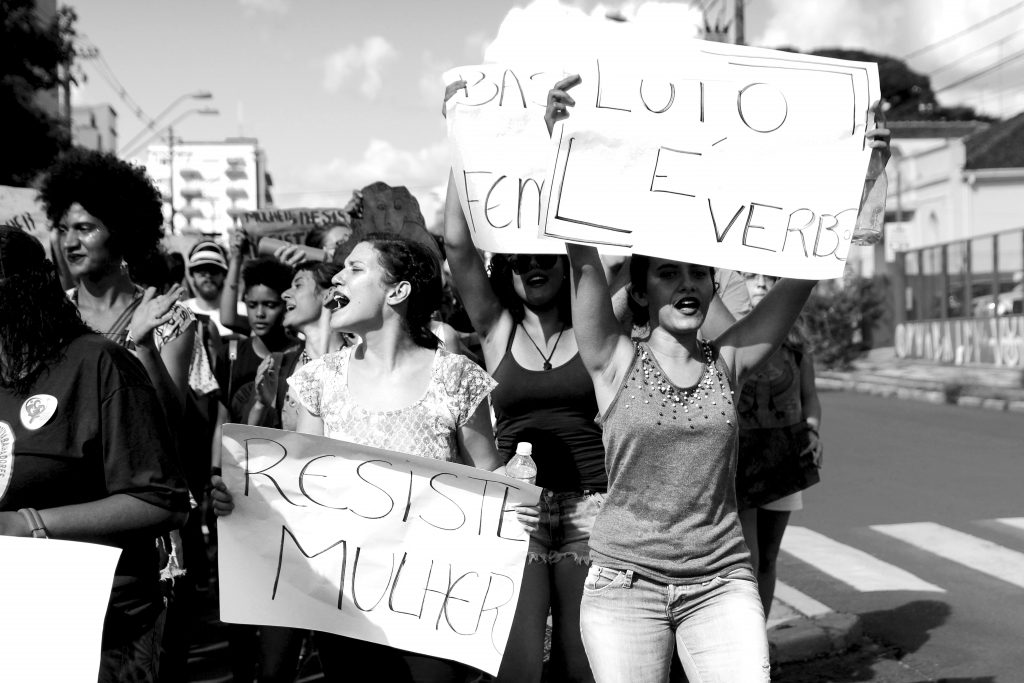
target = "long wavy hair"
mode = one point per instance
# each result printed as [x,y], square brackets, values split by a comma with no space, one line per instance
[500,276]
[37,320]
[408,260]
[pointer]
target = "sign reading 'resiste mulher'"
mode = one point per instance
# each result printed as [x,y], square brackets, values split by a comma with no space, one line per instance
[411,552]
[726,155]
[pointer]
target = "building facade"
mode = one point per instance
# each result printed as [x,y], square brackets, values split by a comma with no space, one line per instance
[207,185]
[95,127]
[956,245]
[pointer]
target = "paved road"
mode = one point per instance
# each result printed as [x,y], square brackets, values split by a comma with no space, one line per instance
[918,526]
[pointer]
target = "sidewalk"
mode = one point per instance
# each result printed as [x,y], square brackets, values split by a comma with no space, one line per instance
[801,628]
[882,374]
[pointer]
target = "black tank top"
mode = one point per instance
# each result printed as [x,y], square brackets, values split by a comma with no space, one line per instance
[554,410]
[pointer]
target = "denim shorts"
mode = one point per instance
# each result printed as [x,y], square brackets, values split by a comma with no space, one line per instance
[566,520]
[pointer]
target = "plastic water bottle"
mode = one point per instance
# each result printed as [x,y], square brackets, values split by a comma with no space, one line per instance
[522,466]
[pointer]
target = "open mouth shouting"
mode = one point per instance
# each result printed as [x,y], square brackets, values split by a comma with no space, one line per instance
[336,301]
[688,305]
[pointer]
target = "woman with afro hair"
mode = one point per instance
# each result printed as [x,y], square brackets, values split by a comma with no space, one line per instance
[108,215]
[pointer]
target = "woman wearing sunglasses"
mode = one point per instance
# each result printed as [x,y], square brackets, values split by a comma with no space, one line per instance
[545,397]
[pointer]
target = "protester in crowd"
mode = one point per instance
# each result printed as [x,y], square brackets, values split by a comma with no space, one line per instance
[264,280]
[398,390]
[93,458]
[207,268]
[328,237]
[544,396]
[779,448]
[109,217]
[670,566]
[278,647]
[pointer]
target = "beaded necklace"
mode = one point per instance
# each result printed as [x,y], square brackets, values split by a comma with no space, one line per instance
[654,381]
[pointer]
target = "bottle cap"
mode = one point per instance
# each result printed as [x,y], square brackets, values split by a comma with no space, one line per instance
[524,448]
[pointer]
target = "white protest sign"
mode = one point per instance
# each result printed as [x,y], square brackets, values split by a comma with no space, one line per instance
[20,208]
[54,596]
[725,155]
[410,552]
[501,154]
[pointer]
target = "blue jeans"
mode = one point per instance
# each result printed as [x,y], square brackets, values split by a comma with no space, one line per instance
[564,529]
[632,625]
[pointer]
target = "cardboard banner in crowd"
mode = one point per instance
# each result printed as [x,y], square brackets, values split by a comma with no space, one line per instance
[54,596]
[410,552]
[731,156]
[20,207]
[290,225]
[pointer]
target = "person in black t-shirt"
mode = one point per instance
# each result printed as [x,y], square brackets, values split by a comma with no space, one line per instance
[92,457]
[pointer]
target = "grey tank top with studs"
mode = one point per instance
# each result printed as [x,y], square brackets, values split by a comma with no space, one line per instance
[670,513]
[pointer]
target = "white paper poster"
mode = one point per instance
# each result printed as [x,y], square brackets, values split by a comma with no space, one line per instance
[411,552]
[53,598]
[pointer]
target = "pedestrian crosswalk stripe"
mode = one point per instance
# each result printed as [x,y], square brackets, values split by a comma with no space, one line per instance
[977,553]
[805,604]
[849,565]
[1017,522]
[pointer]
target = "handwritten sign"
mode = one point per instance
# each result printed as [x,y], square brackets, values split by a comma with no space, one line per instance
[501,155]
[20,208]
[411,552]
[730,156]
[60,589]
[291,225]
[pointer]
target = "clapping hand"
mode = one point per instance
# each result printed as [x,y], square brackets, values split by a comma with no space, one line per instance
[154,311]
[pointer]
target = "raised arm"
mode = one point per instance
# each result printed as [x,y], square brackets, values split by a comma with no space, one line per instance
[606,351]
[467,266]
[756,336]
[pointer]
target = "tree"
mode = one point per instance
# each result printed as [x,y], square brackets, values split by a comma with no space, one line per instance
[908,92]
[31,56]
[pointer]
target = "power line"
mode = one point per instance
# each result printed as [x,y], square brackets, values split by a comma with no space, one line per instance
[962,58]
[107,74]
[962,32]
[979,74]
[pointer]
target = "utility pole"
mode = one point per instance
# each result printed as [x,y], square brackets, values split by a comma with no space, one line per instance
[738,22]
[170,178]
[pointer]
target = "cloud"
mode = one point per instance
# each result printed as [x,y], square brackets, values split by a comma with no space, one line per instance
[423,171]
[364,62]
[550,31]
[269,6]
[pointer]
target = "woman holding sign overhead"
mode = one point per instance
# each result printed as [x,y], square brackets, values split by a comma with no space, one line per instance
[520,309]
[396,390]
[670,567]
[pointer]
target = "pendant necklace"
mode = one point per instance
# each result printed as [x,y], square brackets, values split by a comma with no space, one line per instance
[304,356]
[547,358]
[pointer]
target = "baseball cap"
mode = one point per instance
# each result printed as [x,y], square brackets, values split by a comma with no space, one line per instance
[207,254]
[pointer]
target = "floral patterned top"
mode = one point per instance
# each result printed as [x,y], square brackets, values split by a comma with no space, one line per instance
[426,428]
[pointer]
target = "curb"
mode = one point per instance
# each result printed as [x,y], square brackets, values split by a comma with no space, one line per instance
[804,638]
[989,398]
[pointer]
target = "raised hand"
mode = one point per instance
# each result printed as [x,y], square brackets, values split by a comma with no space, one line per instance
[449,92]
[239,243]
[878,141]
[559,101]
[154,311]
[267,378]
[290,254]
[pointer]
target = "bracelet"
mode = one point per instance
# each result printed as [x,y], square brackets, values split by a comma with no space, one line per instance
[35,522]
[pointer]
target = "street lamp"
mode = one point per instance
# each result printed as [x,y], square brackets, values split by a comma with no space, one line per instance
[151,126]
[204,111]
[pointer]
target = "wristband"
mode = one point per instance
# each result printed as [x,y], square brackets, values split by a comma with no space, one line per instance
[35,522]
[215,471]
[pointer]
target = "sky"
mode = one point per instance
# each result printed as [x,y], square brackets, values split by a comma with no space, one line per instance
[342,93]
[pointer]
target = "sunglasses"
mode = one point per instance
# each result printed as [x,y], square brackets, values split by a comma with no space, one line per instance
[522,263]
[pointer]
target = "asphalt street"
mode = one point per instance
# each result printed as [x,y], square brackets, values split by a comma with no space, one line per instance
[918,527]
